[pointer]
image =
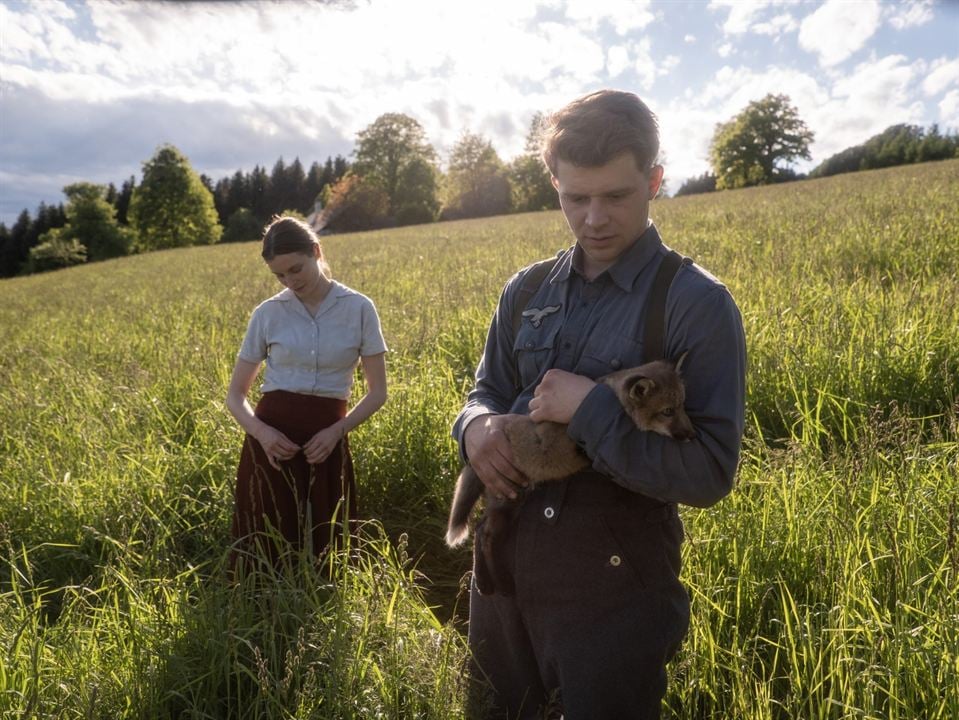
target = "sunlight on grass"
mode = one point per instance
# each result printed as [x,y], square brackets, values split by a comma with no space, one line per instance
[825,586]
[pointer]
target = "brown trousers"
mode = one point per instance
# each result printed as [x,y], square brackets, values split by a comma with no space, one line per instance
[303,504]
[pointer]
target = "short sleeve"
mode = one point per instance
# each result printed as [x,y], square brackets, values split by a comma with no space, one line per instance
[254,346]
[373,342]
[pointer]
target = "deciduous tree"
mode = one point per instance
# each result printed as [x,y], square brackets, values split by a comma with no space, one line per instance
[532,188]
[91,221]
[752,148]
[477,184]
[172,207]
[383,152]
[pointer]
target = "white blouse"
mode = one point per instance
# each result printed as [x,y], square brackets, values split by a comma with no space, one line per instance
[312,355]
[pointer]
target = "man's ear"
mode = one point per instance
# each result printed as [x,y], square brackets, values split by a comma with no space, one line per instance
[655,180]
[554,181]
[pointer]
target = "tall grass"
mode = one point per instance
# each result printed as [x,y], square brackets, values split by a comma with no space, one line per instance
[825,586]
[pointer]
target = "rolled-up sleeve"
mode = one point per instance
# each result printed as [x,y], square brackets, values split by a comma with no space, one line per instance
[698,472]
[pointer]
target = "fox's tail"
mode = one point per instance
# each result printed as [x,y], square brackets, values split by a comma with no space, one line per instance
[468,490]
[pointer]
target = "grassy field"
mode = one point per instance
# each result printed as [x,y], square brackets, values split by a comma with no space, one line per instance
[825,586]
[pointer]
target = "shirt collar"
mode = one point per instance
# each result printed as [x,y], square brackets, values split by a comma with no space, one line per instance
[626,269]
[336,291]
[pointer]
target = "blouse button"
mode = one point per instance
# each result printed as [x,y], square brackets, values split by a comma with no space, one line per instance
[529,345]
[616,364]
[549,513]
[615,560]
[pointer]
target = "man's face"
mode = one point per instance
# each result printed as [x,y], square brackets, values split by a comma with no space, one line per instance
[607,207]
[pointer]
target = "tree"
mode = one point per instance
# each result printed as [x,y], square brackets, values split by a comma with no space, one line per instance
[241,227]
[56,251]
[172,207]
[477,185]
[750,148]
[16,250]
[383,152]
[417,196]
[354,204]
[530,178]
[123,200]
[700,184]
[91,222]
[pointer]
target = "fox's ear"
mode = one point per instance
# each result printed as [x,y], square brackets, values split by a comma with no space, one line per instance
[641,387]
[679,363]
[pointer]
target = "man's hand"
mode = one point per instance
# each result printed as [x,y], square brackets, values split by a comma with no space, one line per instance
[491,456]
[558,396]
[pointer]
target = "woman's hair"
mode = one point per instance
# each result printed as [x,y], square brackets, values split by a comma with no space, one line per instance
[596,128]
[288,235]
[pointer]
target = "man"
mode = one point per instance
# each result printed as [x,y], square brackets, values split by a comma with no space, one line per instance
[598,608]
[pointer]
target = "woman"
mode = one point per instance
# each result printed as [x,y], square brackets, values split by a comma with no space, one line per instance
[295,473]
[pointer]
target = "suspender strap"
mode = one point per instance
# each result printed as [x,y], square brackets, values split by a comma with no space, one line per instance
[654,336]
[533,278]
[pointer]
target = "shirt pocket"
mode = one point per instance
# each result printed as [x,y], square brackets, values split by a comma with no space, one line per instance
[607,352]
[533,348]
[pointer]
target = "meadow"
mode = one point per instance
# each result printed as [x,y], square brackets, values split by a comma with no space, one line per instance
[825,586]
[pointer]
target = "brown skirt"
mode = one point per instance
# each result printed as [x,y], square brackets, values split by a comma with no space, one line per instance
[303,504]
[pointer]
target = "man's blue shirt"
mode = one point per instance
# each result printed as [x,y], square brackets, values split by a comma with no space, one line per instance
[595,327]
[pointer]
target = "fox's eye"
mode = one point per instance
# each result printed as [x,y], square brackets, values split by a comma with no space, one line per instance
[668,412]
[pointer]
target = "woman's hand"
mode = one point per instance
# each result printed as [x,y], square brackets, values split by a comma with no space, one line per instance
[318,448]
[278,447]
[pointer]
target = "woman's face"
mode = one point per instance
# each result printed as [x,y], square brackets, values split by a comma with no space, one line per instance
[300,272]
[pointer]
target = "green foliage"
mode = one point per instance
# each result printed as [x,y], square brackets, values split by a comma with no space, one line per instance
[825,586]
[476,184]
[91,220]
[530,179]
[384,150]
[749,149]
[695,185]
[171,207]
[56,251]
[241,227]
[417,194]
[896,145]
[354,204]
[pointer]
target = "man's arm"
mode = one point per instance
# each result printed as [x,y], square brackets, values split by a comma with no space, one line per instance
[482,443]
[698,472]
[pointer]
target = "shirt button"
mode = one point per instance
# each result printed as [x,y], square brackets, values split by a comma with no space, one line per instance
[529,345]
[549,513]
[616,364]
[615,560]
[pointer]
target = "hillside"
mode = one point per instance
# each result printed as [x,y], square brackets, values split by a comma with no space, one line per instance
[828,579]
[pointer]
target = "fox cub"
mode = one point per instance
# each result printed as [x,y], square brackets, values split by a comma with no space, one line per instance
[652,395]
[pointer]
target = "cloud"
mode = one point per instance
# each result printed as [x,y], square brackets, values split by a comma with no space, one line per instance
[876,94]
[944,73]
[912,13]
[689,39]
[743,16]
[777,26]
[624,16]
[617,60]
[949,110]
[838,29]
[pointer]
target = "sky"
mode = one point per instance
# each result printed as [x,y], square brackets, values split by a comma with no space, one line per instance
[89,90]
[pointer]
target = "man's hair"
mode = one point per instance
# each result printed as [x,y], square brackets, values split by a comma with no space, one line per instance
[592,130]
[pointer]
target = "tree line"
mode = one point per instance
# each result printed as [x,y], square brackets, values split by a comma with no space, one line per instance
[757,146]
[395,179]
